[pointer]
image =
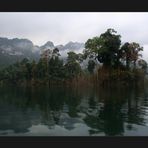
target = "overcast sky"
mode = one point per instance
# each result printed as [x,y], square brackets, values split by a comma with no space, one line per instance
[63,27]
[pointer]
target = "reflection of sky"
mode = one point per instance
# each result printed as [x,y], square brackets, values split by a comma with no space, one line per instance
[80,129]
[136,130]
[42,130]
[67,126]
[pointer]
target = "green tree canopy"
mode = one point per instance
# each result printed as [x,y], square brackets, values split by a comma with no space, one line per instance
[72,66]
[91,66]
[104,48]
[130,53]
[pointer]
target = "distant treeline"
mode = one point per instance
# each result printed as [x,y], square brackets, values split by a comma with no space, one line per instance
[109,61]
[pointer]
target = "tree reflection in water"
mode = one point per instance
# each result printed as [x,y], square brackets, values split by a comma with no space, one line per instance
[109,111]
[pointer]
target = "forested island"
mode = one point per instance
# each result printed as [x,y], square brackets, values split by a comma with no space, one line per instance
[109,62]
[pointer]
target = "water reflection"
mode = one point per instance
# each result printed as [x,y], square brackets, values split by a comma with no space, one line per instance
[60,111]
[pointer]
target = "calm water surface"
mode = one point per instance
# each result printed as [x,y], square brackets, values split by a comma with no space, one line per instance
[59,111]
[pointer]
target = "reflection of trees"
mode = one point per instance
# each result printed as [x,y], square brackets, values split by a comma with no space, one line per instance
[109,117]
[108,121]
[106,109]
[10,118]
[26,106]
[113,121]
[135,114]
[72,99]
[45,104]
[120,105]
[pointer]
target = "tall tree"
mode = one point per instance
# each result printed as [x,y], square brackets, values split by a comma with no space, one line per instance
[91,66]
[72,66]
[143,64]
[104,48]
[130,53]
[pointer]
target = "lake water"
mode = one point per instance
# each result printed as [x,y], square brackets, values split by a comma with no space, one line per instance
[59,111]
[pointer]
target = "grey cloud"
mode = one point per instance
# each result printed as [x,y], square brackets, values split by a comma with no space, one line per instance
[63,27]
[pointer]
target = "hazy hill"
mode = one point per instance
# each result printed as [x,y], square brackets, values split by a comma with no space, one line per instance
[13,50]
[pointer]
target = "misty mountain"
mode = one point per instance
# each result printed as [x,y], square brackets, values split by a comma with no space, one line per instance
[74,46]
[70,46]
[48,45]
[13,50]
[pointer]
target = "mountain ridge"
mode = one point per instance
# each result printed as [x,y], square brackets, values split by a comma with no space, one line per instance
[15,49]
